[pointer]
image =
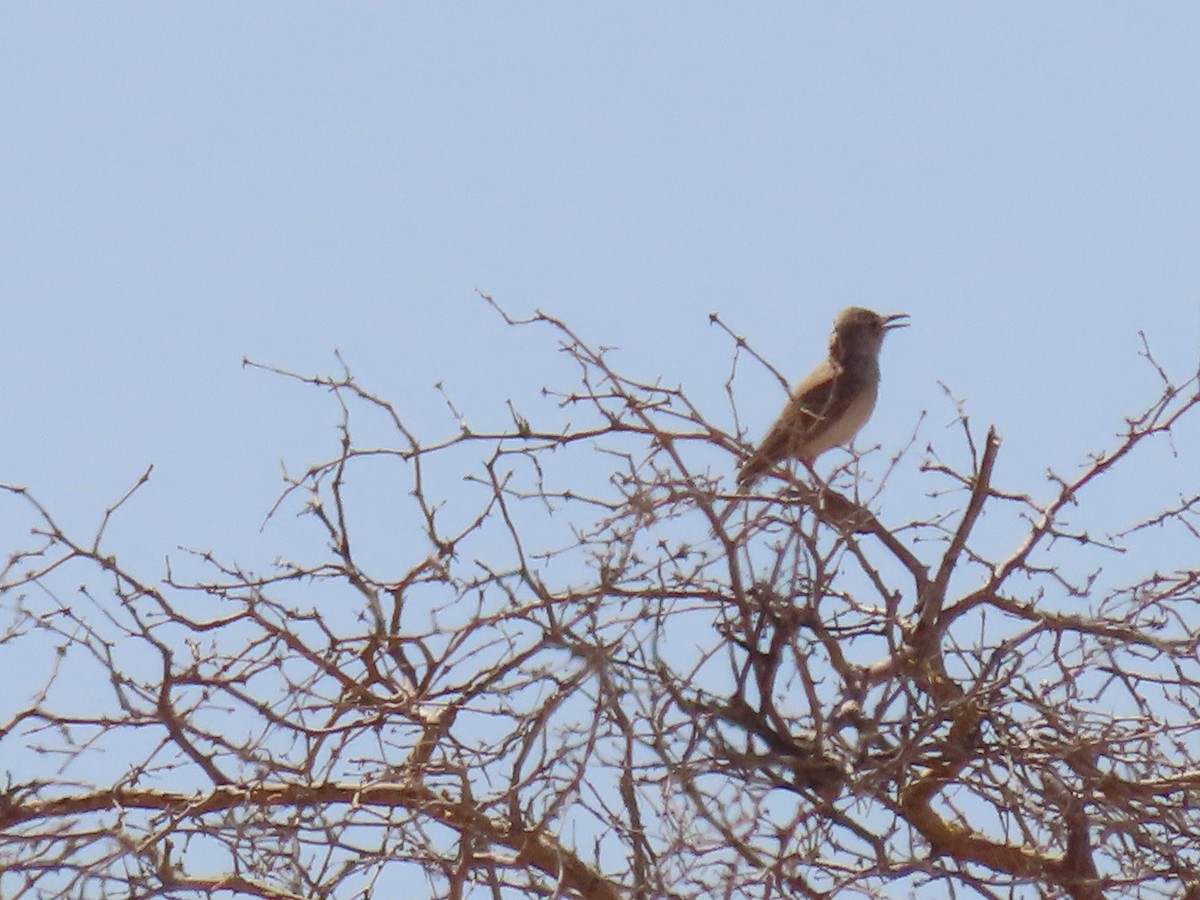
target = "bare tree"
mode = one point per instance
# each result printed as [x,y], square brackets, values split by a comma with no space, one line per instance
[583,680]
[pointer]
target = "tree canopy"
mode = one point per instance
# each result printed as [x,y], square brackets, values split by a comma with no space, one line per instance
[586,666]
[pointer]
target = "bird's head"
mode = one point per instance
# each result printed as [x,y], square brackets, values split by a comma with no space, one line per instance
[859,332]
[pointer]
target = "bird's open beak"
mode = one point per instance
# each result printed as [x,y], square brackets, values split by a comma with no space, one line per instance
[893,321]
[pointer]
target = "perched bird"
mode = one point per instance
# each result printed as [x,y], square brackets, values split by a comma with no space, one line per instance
[828,408]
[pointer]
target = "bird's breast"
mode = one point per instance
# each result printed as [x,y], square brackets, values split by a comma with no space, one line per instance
[840,430]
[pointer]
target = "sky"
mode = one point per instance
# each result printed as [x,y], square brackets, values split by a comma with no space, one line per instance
[186,186]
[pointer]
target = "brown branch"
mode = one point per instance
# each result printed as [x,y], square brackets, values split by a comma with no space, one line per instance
[537,850]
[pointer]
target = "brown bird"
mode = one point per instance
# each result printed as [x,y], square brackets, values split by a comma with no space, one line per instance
[829,407]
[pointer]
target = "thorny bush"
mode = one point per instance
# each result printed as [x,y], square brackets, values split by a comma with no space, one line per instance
[582,678]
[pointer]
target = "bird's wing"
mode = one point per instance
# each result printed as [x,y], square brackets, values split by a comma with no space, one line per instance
[814,395]
[809,402]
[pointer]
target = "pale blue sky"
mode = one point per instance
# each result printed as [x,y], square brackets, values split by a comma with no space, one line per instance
[185,185]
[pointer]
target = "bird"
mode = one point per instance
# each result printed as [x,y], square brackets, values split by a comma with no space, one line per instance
[829,407]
